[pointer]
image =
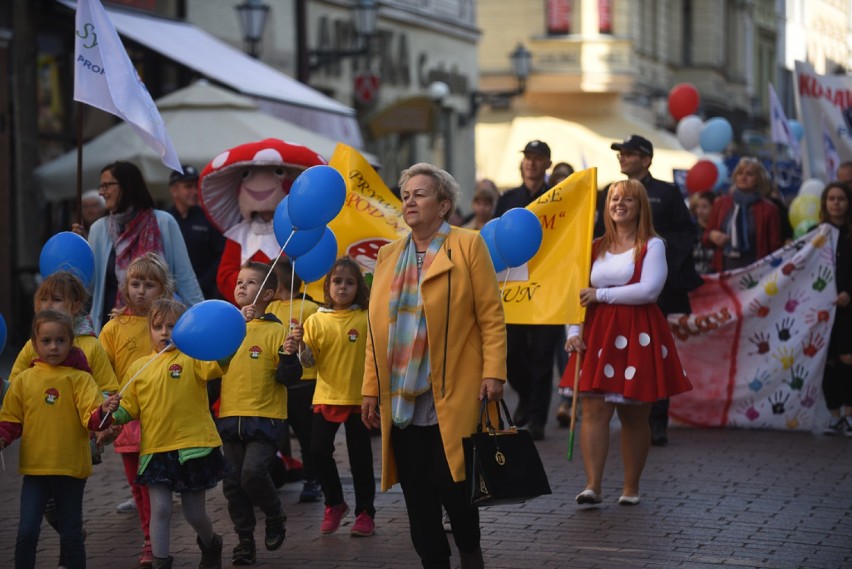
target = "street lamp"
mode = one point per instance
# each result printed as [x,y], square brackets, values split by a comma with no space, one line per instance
[521,60]
[364,17]
[438,91]
[252,15]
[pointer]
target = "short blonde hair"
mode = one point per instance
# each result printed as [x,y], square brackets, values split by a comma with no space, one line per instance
[445,185]
[164,308]
[764,184]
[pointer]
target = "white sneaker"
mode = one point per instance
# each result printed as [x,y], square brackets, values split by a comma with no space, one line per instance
[126,507]
[836,426]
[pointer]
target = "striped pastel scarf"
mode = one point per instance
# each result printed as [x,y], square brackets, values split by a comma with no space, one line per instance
[407,340]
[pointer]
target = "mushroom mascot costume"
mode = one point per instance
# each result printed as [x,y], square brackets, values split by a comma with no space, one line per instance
[240,189]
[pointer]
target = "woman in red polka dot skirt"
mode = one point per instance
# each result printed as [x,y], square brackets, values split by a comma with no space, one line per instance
[630,358]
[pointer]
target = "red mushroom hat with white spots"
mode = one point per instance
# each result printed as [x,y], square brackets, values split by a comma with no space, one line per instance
[220,179]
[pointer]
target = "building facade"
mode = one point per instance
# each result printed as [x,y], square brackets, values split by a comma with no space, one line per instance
[598,63]
[405,118]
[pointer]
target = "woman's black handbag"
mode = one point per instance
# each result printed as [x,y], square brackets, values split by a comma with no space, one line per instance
[502,465]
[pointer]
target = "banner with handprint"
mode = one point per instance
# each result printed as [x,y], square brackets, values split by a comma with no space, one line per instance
[755,345]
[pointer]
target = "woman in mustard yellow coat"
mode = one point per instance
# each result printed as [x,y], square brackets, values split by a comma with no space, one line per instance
[436,348]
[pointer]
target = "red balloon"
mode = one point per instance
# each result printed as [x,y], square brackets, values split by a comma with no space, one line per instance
[702,176]
[683,100]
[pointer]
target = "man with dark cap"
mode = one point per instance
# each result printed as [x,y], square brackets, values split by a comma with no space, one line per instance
[531,348]
[204,243]
[673,223]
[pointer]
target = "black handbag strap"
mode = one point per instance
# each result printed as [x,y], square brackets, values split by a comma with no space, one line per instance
[502,411]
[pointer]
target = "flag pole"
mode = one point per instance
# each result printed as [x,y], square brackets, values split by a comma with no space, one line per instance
[575,395]
[80,163]
[775,164]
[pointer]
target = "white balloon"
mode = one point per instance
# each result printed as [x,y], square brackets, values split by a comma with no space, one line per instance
[812,187]
[689,130]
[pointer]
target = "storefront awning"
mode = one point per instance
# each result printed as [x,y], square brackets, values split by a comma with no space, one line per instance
[274,91]
[582,142]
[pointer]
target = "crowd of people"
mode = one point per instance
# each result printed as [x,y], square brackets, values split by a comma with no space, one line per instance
[410,357]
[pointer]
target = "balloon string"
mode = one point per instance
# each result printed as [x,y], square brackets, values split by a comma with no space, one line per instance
[301,313]
[505,280]
[135,375]
[272,267]
[292,279]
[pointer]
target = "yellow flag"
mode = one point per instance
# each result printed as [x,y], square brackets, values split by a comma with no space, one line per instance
[547,289]
[371,215]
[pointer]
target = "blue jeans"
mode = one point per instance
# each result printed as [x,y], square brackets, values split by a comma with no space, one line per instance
[67,492]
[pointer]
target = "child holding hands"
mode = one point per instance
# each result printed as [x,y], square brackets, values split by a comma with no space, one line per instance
[64,292]
[289,306]
[334,340]
[252,415]
[52,406]
[180,449]
[125,339]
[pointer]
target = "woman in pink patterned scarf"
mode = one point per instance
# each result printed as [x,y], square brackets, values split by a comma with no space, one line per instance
[132,228]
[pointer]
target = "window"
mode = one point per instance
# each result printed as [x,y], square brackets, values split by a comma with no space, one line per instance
[558,17]
[605,17]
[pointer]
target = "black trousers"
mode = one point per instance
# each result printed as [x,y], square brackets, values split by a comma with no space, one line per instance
[249,484]
[359,447]
[530,352]
[837,384]
[300,416]
[427,484]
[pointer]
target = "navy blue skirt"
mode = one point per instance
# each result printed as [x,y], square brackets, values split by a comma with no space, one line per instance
[193,475]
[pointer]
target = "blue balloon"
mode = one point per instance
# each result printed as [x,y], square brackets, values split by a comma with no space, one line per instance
[722,178]
[313,265]
[518,236]
[302,241]
[487,232]
[67,251]
[316,197]
[210,330]
[716,135]
[796,128]
[3,334]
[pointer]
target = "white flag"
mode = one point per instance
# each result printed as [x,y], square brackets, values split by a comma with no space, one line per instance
[104,77]
[781,133]
[832,158]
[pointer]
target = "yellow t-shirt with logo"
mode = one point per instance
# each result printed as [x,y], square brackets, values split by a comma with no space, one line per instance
[53,404]
[169,397]
[338,340]
[96,356]
[249,388]
[303,308]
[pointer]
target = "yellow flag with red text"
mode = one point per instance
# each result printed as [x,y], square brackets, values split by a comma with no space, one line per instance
[371,215]
[547,289]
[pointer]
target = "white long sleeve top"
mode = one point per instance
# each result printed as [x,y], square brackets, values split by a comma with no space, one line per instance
[611,272]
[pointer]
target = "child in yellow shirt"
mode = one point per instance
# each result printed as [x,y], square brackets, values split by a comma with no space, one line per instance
[64,292]
[126,338]
[300,394]
[52,406]
[335,339]
[252,415]
[180,448]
